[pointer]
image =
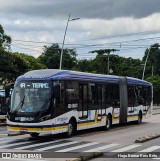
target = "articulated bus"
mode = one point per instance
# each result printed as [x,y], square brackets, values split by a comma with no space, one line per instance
[54,101]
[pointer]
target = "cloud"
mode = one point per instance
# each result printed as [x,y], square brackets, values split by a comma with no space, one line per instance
[119,26]
[104,9]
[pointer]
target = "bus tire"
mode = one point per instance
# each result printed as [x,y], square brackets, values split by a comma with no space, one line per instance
[34,134]
[71,128]
[139,118]
[108,123]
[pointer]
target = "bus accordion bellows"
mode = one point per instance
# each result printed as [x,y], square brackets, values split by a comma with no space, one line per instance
[55,101]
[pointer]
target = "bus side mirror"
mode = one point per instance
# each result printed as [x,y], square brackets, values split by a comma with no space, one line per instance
[8,89]
[56,91]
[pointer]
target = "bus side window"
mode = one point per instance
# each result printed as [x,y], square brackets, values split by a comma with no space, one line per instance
[140,95]
[94,95]
[147,95]
[112,95]
[115,95]
[131,96]
[72,92]
[108,95]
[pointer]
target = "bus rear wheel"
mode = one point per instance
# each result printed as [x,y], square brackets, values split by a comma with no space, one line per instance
[34,134]
[108,123]
[71,128]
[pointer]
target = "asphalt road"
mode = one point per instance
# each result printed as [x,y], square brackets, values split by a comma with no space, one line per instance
[121,138]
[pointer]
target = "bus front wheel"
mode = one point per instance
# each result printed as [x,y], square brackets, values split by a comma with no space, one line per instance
[108,122]
[71,128]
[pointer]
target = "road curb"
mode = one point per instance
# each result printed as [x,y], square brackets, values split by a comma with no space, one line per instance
[147,138]
[87,156]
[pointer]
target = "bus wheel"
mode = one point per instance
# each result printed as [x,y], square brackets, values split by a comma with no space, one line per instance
[34,134]
[139,118]
[108,122]
[71,128]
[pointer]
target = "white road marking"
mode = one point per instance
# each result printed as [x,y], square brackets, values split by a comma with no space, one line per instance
[5,141]
[38,144]
[57,146]
[101,148]
[156,158]
[14,144]
[126,148]
[153,148]
[77,147]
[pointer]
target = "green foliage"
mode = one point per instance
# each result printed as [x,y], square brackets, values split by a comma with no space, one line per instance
[155,80]
[121,66]
[131,67]
[84,66]
[14,64]
[51,57]
[103,51]
[153,60]
[32,63]
[5,40]
[11,65]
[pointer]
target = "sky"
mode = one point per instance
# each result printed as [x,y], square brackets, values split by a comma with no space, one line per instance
[129,26]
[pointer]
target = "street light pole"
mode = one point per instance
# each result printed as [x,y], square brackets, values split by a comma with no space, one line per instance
[145,63]
[152,70]
[60,64]
[108,64]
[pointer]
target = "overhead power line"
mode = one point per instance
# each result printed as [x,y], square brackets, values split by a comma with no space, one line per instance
[92,45]
[128,34]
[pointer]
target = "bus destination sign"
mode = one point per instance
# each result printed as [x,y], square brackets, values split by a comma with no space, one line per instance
[34,85]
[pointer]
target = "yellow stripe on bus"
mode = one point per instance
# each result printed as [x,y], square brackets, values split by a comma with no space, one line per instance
[91,123]
[131,117]
[35,129]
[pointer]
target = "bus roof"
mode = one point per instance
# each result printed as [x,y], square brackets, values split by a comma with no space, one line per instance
[56,74]
[131,80]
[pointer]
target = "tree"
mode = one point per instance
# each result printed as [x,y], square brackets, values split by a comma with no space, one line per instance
[131,67]
[51,57]
[32,63]
[11,65]
[85,65]
[155,80]
[102,52]
[121,66]
[153,60]
[5,40]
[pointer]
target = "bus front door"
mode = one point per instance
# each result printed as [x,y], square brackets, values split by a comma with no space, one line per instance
[83,106]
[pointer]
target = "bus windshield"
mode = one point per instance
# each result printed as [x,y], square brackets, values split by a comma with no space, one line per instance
[31,96]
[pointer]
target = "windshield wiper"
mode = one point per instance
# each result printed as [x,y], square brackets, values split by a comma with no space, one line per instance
[20,105]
